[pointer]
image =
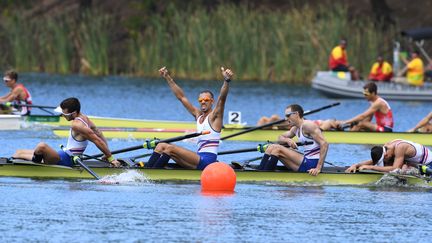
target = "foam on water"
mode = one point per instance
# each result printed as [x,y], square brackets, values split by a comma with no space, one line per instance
[129,177]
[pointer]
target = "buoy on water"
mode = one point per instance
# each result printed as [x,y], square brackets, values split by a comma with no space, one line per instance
[218,177]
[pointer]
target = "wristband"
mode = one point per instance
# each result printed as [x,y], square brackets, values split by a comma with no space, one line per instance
[227,80]
[111,158]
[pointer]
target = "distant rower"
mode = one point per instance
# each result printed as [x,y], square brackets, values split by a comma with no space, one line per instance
[18,94]
[378,108]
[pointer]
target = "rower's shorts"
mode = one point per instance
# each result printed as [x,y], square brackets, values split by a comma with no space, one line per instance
[308,164]
[65,159]
[206,159]
[384,129]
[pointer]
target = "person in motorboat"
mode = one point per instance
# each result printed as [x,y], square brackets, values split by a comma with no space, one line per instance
[338,60]
[378,108]
[308,133]
[396,154]
[414,70]
[381,70]
[424,125]
[18,94]
[207,118]
[82,130]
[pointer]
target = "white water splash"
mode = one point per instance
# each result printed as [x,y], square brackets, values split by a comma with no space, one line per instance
[127,177]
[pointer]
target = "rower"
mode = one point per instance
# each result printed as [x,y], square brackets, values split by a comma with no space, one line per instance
[424,125]
[378,108]
[308,133]
[82,129]
[18,94]
[206,117]
[396,154]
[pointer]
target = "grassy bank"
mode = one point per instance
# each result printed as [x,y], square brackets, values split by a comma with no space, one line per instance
[258,44]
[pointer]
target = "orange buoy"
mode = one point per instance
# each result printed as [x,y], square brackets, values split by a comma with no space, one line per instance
[218,177]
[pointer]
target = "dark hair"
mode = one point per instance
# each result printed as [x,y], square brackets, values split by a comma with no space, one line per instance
[12,74]
[376,153]
[207,91]
[297,108]
[71,104]
[371,87]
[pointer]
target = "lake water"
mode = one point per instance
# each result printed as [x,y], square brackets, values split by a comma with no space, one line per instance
[84,211]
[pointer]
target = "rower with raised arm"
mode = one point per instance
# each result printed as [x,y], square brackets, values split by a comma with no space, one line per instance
[18,94]
[424,125]
[396,154]
[378,108]
[308,133]
[82,130]
[206,117]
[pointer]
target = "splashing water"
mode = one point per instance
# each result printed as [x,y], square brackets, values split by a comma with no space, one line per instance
[128,177]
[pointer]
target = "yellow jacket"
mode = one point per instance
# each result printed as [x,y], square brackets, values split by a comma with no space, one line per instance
[415,72]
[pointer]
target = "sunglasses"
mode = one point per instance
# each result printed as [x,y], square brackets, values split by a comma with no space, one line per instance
[67,114]
[7,79]
[290,113]
[206,99]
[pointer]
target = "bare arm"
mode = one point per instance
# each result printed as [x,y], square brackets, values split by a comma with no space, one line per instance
[286,137]
[13,95]
[89,134]
[421,123]
[353,168]
[398,163]
[365,115]
[178,92]
[316,134]
[217,114]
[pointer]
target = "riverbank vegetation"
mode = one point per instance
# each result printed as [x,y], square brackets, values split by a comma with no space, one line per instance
[259,44]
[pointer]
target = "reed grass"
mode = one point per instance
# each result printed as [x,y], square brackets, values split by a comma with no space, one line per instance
[279,46]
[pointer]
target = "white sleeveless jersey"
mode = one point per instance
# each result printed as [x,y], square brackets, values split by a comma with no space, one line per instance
[311,151]
[422,156]
[208,143]
[74,146]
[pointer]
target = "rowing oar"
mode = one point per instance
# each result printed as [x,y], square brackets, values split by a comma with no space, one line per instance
[150,144]
[260,148]
[78,160]
[279,121]
[42,107]
[91,172]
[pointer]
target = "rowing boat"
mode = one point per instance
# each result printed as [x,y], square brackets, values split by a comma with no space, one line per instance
[16,122]
[335,137]
[329,176]
[122,128]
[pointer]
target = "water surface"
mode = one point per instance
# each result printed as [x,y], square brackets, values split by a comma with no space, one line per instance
[84,211]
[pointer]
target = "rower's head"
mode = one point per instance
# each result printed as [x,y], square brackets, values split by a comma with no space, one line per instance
[370,91]
[415,54]
[343,43]
[10,78]
[380,155]
[293,113]
[380,59]
[206,99]
[70,108]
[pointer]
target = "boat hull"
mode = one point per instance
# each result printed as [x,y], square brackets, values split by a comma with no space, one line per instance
[333,177]
[334,86]
[334,137]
